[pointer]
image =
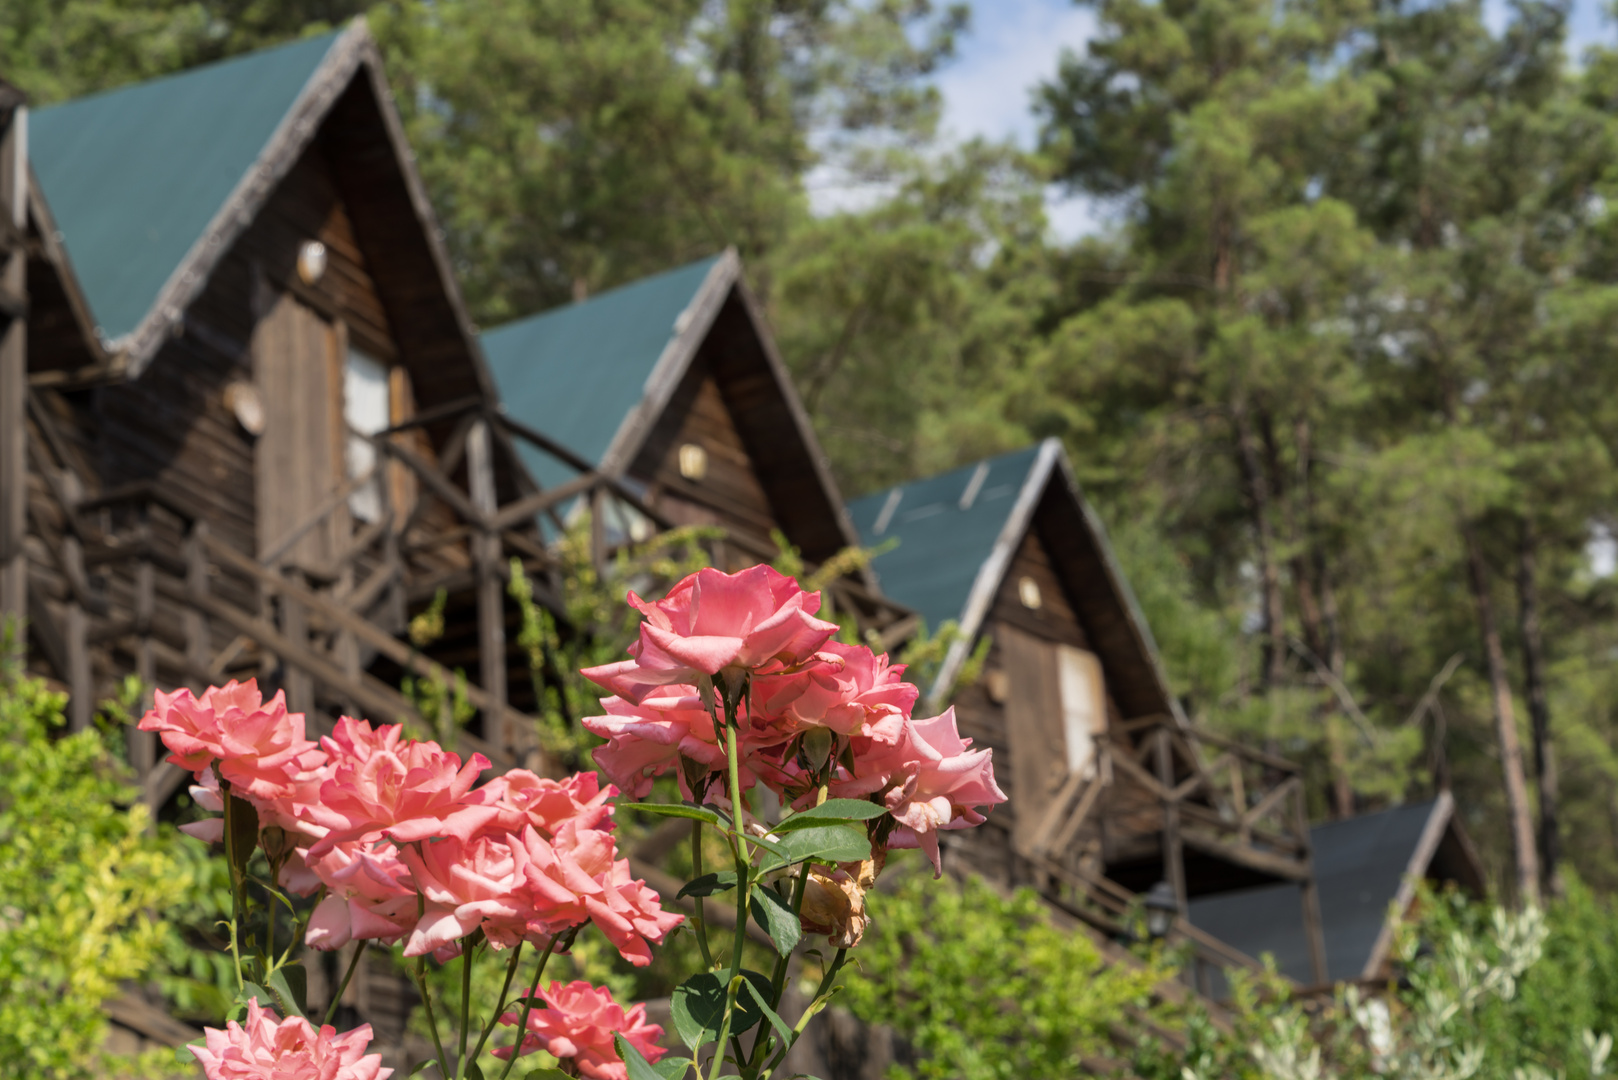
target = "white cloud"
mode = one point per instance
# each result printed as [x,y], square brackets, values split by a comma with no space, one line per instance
[1012,46]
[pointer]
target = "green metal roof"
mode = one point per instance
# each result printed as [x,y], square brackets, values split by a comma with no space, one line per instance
[941,546]
[134,176]
[575,372]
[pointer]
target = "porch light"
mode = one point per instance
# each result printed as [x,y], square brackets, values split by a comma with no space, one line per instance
[1028,593]
[1161,910]
[311,261]
[693,462]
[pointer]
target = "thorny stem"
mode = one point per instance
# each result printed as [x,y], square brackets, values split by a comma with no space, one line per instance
[724,1028]
[779,977]
[466,1002]
[528,1007]
[500,1002]
[814,1006]
[236,904]
[432,1022]
[342,987]
[698,920]
[737,849]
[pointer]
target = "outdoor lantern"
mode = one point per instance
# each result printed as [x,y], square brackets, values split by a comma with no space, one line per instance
[311,261]
[693,462]
[1028,593]
[1161,910]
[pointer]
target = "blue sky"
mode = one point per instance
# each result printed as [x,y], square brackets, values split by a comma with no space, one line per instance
[1014,44]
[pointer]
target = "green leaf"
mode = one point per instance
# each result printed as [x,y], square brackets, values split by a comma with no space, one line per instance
[424,1066]
[697,1007]
[774,916]
[770,1014]
[254,990]
[639,1068]
[832,810]
[546,1074]
[831,843]
[183,1054]
[708,884]
[698,813]
[672,1068]
[290,985]
[474,1071]
[243,833]
[775,846]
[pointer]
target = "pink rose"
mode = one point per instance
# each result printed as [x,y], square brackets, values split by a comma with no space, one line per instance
[483,883]
[929,780]
[370,895]
[863,689]
[260,747]
[579,1024]
[265,1048]
[406,790]
[649,739]
[756,620]
[522,798]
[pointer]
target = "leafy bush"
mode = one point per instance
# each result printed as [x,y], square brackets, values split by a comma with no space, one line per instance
[80,878]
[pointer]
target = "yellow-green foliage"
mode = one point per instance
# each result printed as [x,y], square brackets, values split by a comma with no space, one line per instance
[79,879]
[983,987]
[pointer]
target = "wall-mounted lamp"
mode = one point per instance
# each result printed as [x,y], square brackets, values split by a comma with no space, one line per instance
[1028,593]
[1162,908]
[693,462]
[242,399]
[311,262]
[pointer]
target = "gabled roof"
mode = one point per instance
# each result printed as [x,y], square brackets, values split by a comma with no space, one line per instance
[599,375]
[1362,866]
[943,538]
[141,191]
[135,176]
[958,534]
[578,372]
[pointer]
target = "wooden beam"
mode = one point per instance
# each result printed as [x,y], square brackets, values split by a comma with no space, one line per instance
[513,513]
[1262,862]
[1173,854]
[491,589]
[363,629]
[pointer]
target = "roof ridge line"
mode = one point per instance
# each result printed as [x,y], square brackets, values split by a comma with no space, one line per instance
[290,137]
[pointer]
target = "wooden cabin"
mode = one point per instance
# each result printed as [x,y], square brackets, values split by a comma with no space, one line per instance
[672,387]
[1111,790]
[249,431]
[1367,867]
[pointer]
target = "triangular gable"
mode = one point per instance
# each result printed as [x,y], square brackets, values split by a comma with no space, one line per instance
[959,534]
[1363,867]
[613,377]
[144,189]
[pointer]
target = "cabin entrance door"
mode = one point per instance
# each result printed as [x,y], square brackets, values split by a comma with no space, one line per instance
[1056,710]
[299,377]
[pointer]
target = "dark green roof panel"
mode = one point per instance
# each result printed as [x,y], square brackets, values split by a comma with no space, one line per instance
[575,372]
[134,176]
[941,546]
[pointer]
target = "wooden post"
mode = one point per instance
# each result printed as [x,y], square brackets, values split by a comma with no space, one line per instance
[1173,852]
[298,683]
[1313,927]
[143,746]
[598,529]
[76,637]
[198,647]
[491,587]
[14,374]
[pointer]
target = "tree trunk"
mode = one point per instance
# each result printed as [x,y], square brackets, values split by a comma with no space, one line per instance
[1505,723]
[1539,710]
[1258,491]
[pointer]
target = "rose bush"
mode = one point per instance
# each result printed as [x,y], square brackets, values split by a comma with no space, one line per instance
[733,683]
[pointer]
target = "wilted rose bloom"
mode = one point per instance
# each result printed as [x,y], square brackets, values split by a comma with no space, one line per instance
[834,901]
[522,798]
[370,896]
[383,784]
[929,780]
[266,1048]
[714,623]
[578,1027]
[861,689]
[260,746]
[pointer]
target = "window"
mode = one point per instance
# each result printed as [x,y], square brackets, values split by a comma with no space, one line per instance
[365,410]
